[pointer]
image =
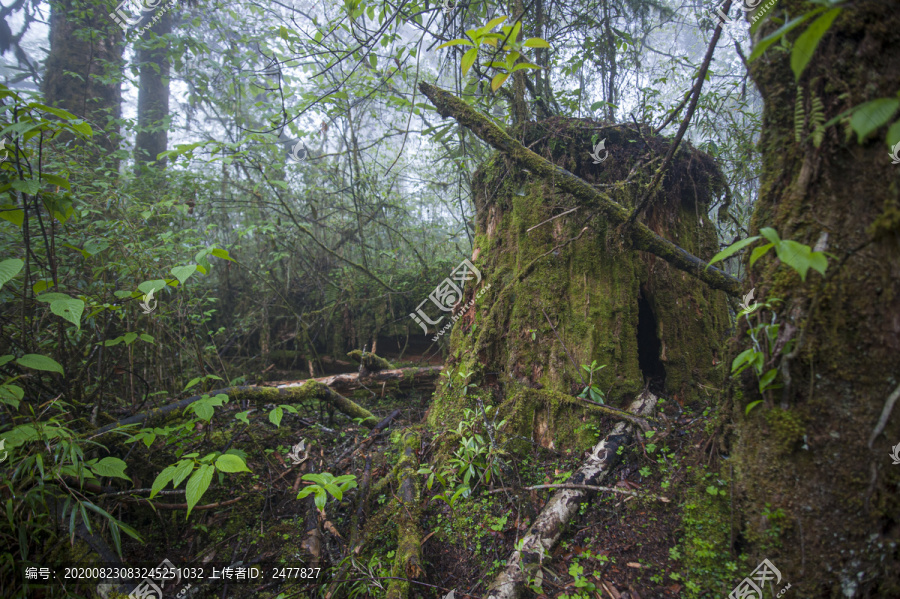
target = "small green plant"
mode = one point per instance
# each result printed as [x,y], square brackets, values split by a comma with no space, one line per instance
[591,391]
[325,484]
[203,470]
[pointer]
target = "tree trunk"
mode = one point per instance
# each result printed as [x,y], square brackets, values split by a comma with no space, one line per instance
[153,94]
[805,450]
[84,65]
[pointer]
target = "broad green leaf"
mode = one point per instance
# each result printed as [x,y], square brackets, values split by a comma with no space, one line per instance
[468,60]
[806,43]
[39,362]
[492,23]
[759,252]
[197,485]
[9,212]
[220,253]
[770,234]
[192,382]
[231,463]
[536,42]
[752,405]
[11,395]
[30,186]
[8,269]
[766,379]
[52,297]
[183,272]
[320,498]
[335,490]
[155,285]
[276,415]
[129,338]
[182,469]
[524,65]
[498,80]
[870,116]
[110,466]
[731,250]
[70,309]
[41,286]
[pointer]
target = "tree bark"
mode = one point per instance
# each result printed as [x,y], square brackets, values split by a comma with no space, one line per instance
[805,450]
[640,236]
[408,563]
[84,66]
[152,58]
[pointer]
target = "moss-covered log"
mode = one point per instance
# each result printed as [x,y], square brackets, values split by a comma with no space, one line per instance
[543,535]
[421,379]
[369,361]
[408,561]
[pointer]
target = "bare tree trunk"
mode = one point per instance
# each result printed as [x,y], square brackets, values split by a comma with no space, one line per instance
[153,94]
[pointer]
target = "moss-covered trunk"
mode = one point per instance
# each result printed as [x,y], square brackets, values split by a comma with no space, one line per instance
[819,503]
[567,293]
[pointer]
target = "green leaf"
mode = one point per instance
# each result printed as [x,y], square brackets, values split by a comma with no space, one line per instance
[870,116]
[766,379]
[155,285]
[492,23]
[231,463]
[731,250]
[192,383]
[770,234]
[182,469]
[498,80]
[763,44]
[183,272]
[320,498]
[162,479]
[276,415]
[70,309]
[197,485]
[110,466]
[39,362]
[893,135]
[242,416]
[220,253]
[536,42]
[468,60]
[9,269]
[759,252]
[752,405]
[9,212]
[805,46]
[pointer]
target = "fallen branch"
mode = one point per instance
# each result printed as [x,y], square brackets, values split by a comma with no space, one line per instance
[415,378]
[184,506]
[642,237]
[309,390]
[596,488]
[408,563]
[543,535]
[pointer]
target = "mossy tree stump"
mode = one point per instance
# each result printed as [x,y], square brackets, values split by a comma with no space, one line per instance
[568,292]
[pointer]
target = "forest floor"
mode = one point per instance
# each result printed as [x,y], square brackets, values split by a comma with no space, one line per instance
[619,545]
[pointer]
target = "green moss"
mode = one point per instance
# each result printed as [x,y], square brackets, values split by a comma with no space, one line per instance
[787,428]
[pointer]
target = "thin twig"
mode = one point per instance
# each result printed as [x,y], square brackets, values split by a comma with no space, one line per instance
[587,487]
[885,414]
[552,218]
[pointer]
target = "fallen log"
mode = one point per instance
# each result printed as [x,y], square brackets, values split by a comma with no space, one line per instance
[408,563]
[542,536]
[640,236]
[261,395]
[406,378]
